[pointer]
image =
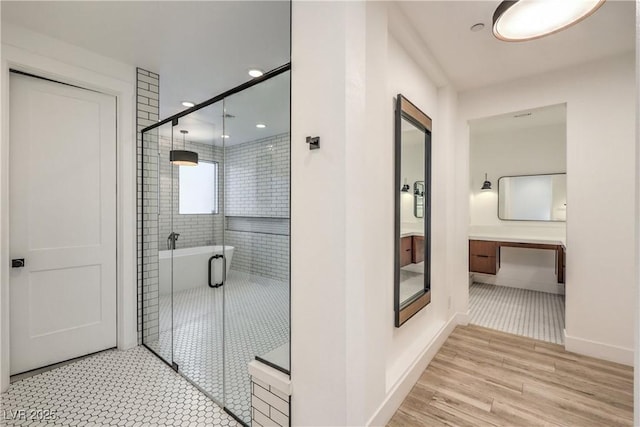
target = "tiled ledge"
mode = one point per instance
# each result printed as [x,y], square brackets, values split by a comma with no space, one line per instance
[270,396]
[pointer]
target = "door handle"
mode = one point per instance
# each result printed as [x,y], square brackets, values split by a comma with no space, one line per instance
[17,263]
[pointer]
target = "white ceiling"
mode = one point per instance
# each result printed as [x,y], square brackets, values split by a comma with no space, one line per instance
[202,48]
[199,48]
[476,59]
[266,103]
[526,119]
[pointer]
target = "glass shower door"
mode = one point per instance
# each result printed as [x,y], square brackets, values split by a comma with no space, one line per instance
[256,235]
[196,225]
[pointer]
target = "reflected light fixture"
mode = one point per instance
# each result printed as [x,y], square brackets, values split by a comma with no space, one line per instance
[255,72]
[261,126]
[224,136]
[183,157]
[188,104]
[521,20]
[486,185]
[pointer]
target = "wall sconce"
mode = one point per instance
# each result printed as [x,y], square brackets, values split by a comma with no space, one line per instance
[486,185]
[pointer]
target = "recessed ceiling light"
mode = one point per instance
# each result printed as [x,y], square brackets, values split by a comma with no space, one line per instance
[255,72]
[224,136]
[477,27]
[522,20]
[261,126]
[188,104]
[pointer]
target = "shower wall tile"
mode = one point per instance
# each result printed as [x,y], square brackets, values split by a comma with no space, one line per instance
[270,396]
[147,207]
[262,254]
[257,178]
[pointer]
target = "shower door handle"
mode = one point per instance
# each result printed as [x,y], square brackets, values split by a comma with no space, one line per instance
[216,256]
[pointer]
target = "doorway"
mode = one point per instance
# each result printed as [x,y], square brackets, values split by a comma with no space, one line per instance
[518,222]
[62,202]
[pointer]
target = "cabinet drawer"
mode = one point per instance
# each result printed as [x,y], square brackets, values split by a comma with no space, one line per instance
[482,247]
[406,253]
[483,264]
[418,249]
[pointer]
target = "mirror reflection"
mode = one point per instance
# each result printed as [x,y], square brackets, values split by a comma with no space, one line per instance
[413,150]
[533,197]
[412,226]
[418,199]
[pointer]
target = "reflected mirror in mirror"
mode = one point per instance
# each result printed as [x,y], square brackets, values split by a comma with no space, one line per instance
[413,163]
[533,197]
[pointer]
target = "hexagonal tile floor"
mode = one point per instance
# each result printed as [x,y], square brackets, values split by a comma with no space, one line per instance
[256,322]
[123,388]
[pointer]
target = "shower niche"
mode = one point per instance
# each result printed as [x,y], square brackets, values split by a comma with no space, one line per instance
[215,238]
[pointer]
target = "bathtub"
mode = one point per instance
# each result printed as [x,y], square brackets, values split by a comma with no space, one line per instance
[191,267]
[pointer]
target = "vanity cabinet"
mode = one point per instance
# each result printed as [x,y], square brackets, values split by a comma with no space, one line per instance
[483,256]
[411,250]
[406,251]
[418,249]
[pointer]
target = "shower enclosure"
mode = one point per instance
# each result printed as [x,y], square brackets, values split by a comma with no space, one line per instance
[215,239]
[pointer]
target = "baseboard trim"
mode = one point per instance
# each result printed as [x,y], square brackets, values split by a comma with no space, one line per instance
[406,382]
[599,350]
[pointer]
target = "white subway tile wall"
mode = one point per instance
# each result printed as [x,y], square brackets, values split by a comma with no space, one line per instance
[257,179]
[269,406]
[147,231]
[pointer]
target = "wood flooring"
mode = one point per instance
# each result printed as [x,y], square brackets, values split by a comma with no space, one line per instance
[482,377]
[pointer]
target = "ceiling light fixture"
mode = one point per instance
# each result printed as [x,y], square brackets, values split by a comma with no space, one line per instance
[521,20]
[261,126]
[477,27]
[224,136]
[183,157]
[188,104]
[255,72]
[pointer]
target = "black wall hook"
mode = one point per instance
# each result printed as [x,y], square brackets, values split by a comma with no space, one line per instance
[314,142]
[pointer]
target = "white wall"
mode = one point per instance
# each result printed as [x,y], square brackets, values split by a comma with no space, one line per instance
[350,365]
[601,172]
[528,151]
[44,56]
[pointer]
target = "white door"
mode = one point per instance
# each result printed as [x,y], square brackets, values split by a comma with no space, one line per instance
[62,222]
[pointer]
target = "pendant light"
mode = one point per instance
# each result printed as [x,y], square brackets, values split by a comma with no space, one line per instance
[487,184]
[183,157]
[521,20]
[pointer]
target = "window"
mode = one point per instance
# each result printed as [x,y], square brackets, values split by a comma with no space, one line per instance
[199,188]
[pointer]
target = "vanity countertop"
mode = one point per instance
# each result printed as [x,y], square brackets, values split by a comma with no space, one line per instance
[556,236]
[408,233]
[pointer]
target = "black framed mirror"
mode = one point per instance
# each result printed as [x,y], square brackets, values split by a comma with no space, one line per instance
[541,197]
[412,288]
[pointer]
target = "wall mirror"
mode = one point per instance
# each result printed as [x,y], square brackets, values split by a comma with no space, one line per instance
[533,197]
[413,210]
